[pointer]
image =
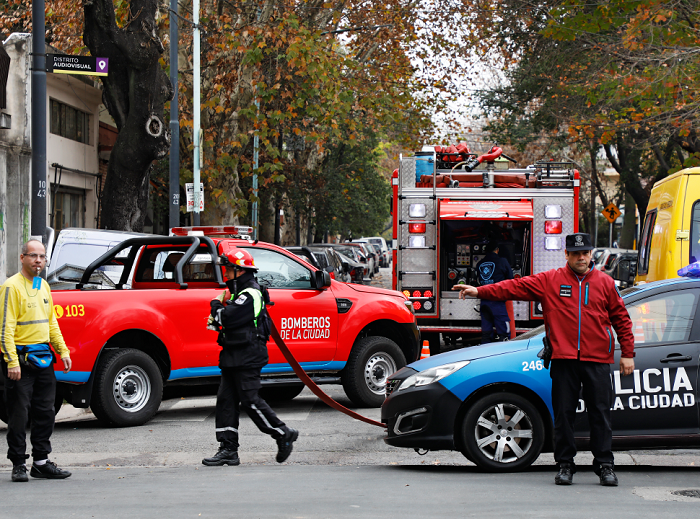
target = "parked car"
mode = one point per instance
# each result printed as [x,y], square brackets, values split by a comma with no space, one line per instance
[323,258]
[621,267]
[372,260]
[608,256]
[380,243]
[76,248]
[355,269]
[354,253]
[464,399]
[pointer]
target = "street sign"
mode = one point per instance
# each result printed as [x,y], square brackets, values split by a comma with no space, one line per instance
[64,64]
[189,189]
[611,212]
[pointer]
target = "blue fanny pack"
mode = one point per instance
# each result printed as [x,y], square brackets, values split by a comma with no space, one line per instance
[35,355]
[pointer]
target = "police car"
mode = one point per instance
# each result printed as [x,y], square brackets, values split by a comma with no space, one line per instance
[493,404]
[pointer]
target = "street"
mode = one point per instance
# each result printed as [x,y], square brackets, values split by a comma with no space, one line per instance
[340,467]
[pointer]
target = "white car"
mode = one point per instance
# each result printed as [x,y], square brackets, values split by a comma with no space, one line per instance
[380,242]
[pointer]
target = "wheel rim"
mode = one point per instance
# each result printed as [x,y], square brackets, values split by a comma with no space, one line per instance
[131,388]
[503,433]
[377,371]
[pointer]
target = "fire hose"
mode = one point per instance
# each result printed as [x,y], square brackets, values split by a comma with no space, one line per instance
[312,385]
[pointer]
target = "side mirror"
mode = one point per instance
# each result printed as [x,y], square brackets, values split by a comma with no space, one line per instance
[622,272]
[321,279]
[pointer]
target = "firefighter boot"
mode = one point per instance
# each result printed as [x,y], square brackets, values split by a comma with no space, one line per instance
[607,475]
[225,456]
[284,444]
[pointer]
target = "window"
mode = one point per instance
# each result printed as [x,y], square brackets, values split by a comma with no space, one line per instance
[69,210]
[69,122]
[645,242]
[276,270]
[664,318]
[160,266]
[695,234]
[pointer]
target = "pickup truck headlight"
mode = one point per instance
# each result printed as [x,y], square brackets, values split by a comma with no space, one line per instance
[432,375]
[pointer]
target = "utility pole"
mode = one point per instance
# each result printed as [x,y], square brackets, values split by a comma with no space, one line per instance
[38,133]
[174,213]
[196,107]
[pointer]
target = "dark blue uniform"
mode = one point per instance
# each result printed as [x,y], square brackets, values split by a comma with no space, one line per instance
[492,269]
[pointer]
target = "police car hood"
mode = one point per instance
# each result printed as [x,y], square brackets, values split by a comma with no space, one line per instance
[477,352]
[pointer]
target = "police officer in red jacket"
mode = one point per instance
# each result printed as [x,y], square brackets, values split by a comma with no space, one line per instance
[245,328]
[581,307]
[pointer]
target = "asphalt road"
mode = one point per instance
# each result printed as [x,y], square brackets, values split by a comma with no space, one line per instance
[339,468]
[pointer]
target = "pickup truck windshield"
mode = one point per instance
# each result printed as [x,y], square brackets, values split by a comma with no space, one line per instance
[276,270]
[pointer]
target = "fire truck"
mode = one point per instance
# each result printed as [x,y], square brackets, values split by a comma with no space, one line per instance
[448,203]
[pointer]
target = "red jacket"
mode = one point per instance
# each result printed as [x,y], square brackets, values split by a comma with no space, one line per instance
[577,313]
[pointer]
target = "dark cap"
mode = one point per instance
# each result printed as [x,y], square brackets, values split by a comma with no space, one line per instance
[578,241]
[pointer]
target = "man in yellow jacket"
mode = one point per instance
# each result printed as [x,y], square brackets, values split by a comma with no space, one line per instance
[27,326]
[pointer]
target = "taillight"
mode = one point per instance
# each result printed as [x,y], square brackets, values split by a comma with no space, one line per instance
[428,293]
[416,305]
[552,227]
[416,293]
[406,293]
[416,227]
[552,243]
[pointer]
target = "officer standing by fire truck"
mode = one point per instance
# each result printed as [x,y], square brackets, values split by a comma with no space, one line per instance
[244,326]
[493,269]
[579,304]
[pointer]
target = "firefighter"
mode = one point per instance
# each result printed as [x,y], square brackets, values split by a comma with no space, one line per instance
[492,269]
[244,329]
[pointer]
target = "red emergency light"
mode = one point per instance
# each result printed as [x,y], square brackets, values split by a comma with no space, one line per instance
[552,227]
[416,305]
[416,293]
[416,227]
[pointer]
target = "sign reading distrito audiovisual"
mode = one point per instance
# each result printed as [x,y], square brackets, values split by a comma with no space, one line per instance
[64,64]
[189,189]
[611,213]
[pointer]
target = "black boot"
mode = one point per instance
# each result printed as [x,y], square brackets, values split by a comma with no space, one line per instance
[284,444]
[565,475]
[607,475]
[225,456]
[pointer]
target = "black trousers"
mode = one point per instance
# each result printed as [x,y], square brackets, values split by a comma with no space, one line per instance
[494,315]
[568,376]
[239,388]
[32,395]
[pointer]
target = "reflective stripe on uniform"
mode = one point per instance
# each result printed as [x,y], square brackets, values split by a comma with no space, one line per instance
[4,321]
[25,323]
[258,303]
[223,429]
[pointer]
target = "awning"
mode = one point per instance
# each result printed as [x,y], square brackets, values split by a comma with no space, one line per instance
[485,210]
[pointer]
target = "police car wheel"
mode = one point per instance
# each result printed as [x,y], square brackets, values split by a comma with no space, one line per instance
[502,432]
[371,362]
[128,388]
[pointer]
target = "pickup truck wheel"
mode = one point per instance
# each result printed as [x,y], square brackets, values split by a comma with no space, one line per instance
[502,432]
[372,361]
[280,394]
[128,388]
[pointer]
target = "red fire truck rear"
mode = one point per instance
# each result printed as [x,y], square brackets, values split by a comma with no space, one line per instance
[448,204]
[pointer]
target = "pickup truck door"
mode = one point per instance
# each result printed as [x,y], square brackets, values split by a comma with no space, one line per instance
[306,318]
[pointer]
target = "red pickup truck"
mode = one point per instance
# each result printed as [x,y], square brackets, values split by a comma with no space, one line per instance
[149,329]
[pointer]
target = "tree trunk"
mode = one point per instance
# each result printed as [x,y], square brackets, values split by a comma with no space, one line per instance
[135,93]
[628,233]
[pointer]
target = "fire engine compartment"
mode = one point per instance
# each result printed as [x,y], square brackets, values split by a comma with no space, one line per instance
[463,245]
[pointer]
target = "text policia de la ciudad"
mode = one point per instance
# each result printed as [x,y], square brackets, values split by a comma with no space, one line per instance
[305,328]
[651,389]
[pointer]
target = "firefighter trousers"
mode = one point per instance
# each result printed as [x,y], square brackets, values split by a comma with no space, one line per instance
[33,395]
[569,376]
[494,315]
[239,388]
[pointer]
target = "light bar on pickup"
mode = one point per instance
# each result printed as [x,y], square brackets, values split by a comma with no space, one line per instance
[213,230]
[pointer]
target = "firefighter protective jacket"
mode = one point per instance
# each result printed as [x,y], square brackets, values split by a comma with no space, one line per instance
[579,312]
[241,338]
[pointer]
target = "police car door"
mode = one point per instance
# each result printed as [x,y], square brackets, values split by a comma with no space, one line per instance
[661,396]
[307,318]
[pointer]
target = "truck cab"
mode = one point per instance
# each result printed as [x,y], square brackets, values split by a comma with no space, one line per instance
[671,232]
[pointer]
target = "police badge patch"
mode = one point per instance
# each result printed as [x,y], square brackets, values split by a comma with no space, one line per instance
[241,299]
